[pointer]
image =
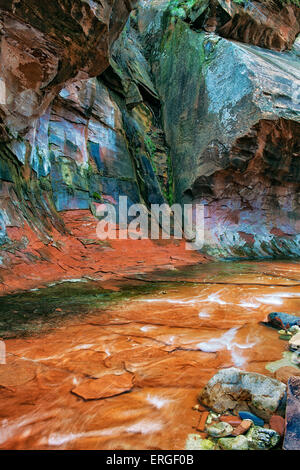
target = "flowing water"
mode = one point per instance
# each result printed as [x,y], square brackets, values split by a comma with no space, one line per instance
[169,332]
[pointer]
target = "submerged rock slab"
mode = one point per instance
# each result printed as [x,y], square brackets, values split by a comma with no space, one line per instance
[108,386]
[234,390]
[219,429]
[292,434]
[16,373]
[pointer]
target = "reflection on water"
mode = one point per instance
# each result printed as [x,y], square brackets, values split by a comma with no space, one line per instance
[172,331]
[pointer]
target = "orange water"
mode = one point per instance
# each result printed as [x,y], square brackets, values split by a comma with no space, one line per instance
[172,340]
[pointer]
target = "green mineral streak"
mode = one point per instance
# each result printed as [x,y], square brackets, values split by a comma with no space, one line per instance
[169,192]
[40,310]
[181,90]
[97,196]
[150,146]
[185,8]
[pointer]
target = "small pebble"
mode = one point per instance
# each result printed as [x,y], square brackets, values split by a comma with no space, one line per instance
[277,423]
[233,420]
[248,415]
[202,421]
[243,427]
[220,429]
[194,442]
[199,408]
[233,443]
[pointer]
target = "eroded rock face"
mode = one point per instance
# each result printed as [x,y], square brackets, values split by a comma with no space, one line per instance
[95,142]
[46,45]
[256,199]
[107,386]
[231,117]
[265,24]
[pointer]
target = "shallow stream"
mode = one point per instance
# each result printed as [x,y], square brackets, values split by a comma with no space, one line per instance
[168,331]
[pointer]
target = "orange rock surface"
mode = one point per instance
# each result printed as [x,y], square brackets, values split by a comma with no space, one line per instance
[284,373]
[79,253]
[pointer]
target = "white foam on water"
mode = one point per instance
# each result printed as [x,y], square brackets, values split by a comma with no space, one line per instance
[157,402]
[225,342]
[203,315]
[244,346]
[270,300]
[169,301]
[248,305]
[217,344]
[61,439]
[146,328]
[276,299]
[58,356]
[62,281]
[83,346]
[289,294]
[215,298]
[9,429]
[144,427]
[238,359]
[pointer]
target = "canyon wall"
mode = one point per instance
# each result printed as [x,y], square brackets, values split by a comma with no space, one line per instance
[192,102]
[87,140]
[231,114]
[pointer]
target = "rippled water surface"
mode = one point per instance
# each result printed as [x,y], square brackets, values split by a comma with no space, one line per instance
[168,331]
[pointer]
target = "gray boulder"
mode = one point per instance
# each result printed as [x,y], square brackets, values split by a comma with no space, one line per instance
[234,443]
[235,390]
